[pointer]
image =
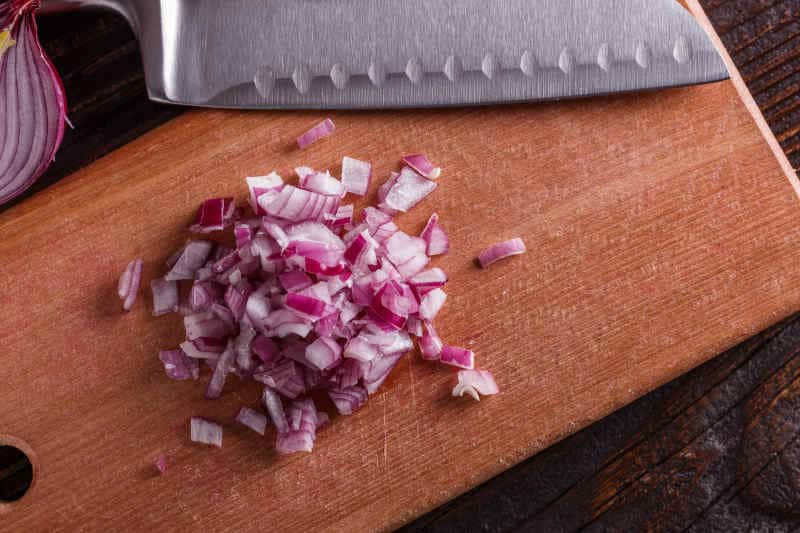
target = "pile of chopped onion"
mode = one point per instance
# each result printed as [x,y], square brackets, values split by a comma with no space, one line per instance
[311,299]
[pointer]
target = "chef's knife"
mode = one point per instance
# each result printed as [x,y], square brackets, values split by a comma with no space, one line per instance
[409,53]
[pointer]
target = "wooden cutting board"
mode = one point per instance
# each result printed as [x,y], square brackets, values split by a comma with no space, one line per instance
[661,231]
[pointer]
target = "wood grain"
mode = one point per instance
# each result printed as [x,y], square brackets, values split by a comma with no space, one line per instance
[627,215]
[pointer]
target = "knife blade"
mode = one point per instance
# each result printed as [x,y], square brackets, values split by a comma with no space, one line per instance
[336,54]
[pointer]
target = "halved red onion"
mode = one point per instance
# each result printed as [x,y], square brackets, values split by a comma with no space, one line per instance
[460,357]
[423,166]
[408,190]
[259,186]
[205,432]
[214,215]
[475,383]
[321,130]
[501,250]
[165,296]
[356,175]
[178,366]
[435,237]
[252,419]
[128,286]
[32,102]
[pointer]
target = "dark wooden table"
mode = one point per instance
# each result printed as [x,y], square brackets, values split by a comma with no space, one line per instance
[715,450]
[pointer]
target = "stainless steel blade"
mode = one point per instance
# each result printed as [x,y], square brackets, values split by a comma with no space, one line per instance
[390,53]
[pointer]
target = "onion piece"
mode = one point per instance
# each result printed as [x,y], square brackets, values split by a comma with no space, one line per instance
[252,419]
[272,402]
[423,166]
[323,353]
[501,250]
[205,432]
[430,345]
[435,237]
[428,280]
[178,366]
[356,175]
[128,286]
[165,296]
[160,463]
[322,183]
[431,303]
[321,130]
[475,383]
[349,400]
[32,101]
[214,215]
[460,357]
[294,204]
[189,260]
[408,190]
[259,186]
[342,217]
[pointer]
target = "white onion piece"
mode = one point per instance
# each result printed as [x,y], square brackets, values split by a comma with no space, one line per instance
[356,175]
[475,383]
[501,250]
[205,432]
[321,130]
[252,419]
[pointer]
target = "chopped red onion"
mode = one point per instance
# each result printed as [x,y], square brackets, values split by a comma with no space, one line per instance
[356,175]
[189,260]
[206,432]
[384,189]
[500,251]
[430,345]
[435,237]
[310,300]
[408,190]
[214,215]
[431,303]
[324,353]
[32,102]
[272,402]
[322,183]
[252,419]
[422,165]
[165,296]
[455,356]
[323,129]
[349,400]
[342,217]
[128,286]
[259,186]
[294,204]
[178,366]
[160,463]
[475,383]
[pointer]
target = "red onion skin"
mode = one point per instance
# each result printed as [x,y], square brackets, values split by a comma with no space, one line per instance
[21,163]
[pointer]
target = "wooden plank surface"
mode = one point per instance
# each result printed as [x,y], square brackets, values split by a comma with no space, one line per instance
[649,238]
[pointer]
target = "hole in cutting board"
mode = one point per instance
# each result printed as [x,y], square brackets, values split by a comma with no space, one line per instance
[16,471]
